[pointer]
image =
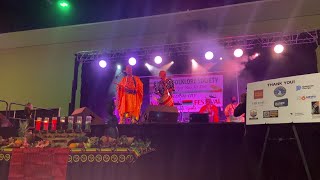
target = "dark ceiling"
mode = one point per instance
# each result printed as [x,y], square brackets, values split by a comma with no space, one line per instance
[19,15]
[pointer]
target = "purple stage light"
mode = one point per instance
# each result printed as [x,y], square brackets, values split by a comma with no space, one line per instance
[158,59]
[278,48]
[132,61]
[238,53]
[102,63]
[209,55]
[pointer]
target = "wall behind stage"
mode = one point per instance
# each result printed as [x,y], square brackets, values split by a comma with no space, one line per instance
[41,75]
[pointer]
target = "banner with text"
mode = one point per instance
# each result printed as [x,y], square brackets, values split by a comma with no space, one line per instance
[192,90]
[285,100]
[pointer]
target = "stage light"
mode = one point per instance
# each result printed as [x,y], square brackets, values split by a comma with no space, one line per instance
[165,67]
[256,54]
[118,66]
[194,64]
[278,48]
[102,63]
[158,59]
[132,61]
[209,55]
[221,58]
[151,68]
[238,53]
[63,4]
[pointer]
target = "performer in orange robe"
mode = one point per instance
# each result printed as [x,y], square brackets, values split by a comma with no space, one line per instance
[129,97]
[211,109]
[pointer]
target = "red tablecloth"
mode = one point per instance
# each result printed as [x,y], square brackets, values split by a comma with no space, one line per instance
[37,163]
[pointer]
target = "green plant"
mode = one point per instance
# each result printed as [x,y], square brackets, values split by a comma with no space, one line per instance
[23,128]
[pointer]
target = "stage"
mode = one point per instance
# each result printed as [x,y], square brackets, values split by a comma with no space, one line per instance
[208,151]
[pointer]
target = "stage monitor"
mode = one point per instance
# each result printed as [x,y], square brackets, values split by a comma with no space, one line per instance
[199,118]
[163,117]
[84,111]
[161,114]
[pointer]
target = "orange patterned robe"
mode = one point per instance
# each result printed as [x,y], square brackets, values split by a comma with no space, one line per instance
[129,96]
[213,112]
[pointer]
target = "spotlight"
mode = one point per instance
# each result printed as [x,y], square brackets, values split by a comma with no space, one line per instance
[238,53]
[102,63]
[132,61]
[194,64]
[63,4]
[172,62]
[150,67]
[221,58]
[256,54]
[209,55]
[158,59]
[278,48]
[118,66]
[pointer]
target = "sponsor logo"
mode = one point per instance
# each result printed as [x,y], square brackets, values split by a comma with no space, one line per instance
[258,94]
[253,114]
[306,97]
[296,114]
[280,91]
[298,88]
[270,114]
[281,103]
[315,109]
[258,103]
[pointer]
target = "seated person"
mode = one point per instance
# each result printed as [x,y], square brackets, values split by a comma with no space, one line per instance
[212,110]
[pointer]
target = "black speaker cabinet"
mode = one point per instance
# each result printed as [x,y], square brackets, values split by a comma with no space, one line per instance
[161,114]
[84,111]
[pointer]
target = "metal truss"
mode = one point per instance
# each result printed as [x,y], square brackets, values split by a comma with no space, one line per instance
[245,42]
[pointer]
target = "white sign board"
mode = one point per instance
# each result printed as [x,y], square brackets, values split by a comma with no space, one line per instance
[286,100]
[192,90]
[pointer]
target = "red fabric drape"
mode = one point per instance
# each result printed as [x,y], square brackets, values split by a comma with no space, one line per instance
[38,163]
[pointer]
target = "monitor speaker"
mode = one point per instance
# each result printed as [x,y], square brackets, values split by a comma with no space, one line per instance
[161,114]
[84,111]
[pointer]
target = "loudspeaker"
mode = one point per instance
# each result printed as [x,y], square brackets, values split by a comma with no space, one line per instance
[84,111]
[162,114]
[199,118]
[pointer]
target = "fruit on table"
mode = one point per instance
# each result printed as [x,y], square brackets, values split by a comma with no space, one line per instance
[18,143]
[104,140]
[73,145]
